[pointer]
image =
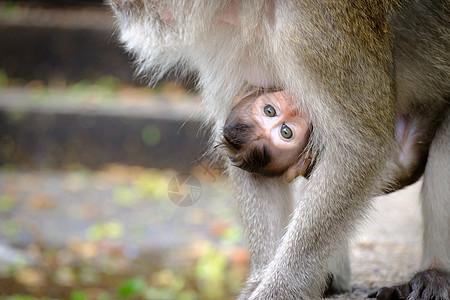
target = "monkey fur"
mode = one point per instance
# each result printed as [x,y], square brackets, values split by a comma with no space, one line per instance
[353,67]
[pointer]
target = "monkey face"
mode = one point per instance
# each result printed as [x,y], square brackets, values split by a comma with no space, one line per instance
[265,134]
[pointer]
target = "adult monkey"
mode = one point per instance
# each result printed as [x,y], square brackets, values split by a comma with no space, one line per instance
[351,65]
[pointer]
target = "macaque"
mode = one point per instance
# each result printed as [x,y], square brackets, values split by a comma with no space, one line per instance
[361,73]
[266,134]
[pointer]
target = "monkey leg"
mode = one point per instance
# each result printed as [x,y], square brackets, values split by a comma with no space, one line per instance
[339,281]
[318,230]
[434,282]
[436,212]
[264,204]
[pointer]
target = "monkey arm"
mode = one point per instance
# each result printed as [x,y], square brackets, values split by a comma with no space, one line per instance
[346,107]
[320,226]
[261,198]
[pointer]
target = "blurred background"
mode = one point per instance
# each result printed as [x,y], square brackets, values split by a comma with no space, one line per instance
[104,190]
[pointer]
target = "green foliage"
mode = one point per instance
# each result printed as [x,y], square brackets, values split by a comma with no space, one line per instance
[7,202]
[107,230]
[9,9]
[3,79]
[151,135]
[108,83]
[132,287]
[124,196]
[78,295]
[152,185]
[232,235]
[15,117]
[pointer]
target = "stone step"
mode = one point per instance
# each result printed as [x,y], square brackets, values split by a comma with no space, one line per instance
[58,132]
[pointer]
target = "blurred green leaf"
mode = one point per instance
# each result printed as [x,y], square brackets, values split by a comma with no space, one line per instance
[152,185]
[151,135]
[78,295]
[109,83]
[7,202]
[210,273]
[8,9]
[3,79]
[108,230]
[125,196]
[132,287]
[232,235]
[15,117]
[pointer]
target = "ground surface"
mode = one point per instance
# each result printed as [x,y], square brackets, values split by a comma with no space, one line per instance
[387,249]
[125,213]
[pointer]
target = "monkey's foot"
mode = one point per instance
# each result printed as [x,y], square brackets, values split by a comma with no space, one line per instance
[425,285]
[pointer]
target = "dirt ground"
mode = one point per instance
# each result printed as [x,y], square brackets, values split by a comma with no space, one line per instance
[388,247]
[94,211]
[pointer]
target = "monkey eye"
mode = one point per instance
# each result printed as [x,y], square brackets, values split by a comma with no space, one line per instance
[286,132]
[269,111]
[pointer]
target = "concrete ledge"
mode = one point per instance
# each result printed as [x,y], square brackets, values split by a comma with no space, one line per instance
[157,135]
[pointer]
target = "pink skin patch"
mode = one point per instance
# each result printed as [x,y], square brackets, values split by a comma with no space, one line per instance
[407,137]
[166,16]
[285,114]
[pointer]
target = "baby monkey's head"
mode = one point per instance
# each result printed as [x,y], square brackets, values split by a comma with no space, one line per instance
[266,134]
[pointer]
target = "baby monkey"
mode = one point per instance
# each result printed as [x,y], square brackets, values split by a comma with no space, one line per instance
[265,134]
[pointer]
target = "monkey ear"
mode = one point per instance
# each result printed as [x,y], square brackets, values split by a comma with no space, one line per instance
[299,168]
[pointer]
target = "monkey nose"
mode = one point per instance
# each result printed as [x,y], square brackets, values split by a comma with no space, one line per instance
[231,143]
[231,135]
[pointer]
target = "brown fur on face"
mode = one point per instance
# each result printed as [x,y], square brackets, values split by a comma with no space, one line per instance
[245,149]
